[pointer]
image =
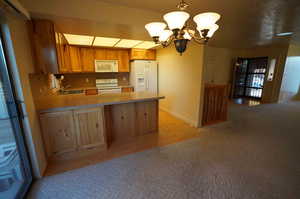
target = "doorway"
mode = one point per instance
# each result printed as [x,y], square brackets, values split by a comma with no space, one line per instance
[15,171]
[249,77]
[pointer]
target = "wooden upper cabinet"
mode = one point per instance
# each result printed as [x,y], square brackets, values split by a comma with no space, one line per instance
[45,46]
[123,57]
[111,54]
[49,48]
[87,59]
[142,54]
[75,59]
[100,53]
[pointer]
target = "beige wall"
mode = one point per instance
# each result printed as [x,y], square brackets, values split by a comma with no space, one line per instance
[180,81]
[21,62]
[290,88]
[271,88]
[218,65]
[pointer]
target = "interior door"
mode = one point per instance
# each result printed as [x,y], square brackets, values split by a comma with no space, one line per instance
[15,172]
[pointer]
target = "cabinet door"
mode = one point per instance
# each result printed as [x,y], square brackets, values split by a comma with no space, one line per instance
[75,59]
[147,117]
[111,54]
[65,66]
[44,46]
[123,121]
[100,53]
[59,49]
[150,54]
[123,57]
[90,127]
[142,54]
[58,132]
[87,59]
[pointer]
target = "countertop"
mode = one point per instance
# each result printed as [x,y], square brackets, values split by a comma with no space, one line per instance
[94,87]
[76,101]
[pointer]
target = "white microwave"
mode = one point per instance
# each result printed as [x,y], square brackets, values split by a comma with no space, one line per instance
[106,66]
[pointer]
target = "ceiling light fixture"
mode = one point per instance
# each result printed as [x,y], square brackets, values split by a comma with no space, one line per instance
[83,40]
[282,34]
[105,41]
[127,43]
[178,30]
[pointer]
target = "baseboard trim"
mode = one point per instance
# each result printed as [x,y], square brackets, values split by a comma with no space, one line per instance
[180,116]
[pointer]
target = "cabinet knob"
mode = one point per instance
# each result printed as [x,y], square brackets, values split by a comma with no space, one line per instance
[122,117]
[97,125]
[145,114]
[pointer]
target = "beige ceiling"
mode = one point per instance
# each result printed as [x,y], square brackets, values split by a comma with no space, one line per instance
[244,23]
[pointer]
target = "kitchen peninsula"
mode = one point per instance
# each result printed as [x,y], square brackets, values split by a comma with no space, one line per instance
[77,123]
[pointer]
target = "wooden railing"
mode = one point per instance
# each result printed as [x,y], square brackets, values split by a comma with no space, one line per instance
[215,105]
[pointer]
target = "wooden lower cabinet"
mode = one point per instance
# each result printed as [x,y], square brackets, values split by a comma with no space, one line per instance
[69,131]
[147,117]
[123,121]
[58,132]
[80,130]
[90,128]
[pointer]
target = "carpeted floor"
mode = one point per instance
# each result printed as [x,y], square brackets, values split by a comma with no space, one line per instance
[255,155]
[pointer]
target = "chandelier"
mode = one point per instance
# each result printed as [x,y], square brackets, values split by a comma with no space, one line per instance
[179,32]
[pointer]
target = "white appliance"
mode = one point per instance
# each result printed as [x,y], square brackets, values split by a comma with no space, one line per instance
[106,66]
[108,86]
[143,76]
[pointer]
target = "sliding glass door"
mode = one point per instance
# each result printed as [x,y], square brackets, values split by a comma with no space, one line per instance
[15,173]
[250,76]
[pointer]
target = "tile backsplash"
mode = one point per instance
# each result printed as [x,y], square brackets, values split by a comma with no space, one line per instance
[89,79]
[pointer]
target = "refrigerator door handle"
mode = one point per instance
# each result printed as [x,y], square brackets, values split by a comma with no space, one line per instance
[147,84]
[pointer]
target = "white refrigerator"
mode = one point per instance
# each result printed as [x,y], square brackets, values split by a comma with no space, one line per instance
[143,75]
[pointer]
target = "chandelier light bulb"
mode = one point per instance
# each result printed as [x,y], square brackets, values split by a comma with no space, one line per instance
[165,34]
[176,19]
[187,35]
[206,20]
[212,29]
[155,28]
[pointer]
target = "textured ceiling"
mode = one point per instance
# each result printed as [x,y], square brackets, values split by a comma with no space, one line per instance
[244,23]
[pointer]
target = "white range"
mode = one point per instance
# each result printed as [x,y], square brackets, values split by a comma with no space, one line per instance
[108,86]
